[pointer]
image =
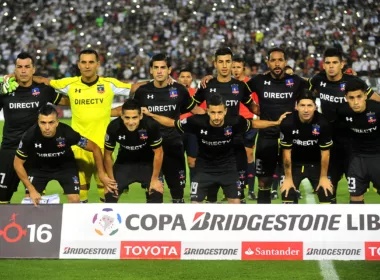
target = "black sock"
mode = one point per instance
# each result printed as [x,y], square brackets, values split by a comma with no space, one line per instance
[275,183]
[191,173]
[177,193]
[357,202]
[263,196]
[251,177]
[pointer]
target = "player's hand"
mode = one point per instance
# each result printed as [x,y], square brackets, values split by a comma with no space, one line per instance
[289,70]
[350,71]
[35,196]
[145,111]
[170,80]
[282,117]
[286,186]
[110,184]
[326,184]
[8,84]
[157,185]
[205,80]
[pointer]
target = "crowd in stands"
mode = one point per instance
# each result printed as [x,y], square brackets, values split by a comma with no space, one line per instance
[127,33]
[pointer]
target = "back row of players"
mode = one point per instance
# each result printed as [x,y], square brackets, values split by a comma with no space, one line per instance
[305,135]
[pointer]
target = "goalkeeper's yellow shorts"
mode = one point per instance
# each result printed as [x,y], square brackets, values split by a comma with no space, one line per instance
[86,166]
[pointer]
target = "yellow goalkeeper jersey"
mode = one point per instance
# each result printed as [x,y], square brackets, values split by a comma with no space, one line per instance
[91,104]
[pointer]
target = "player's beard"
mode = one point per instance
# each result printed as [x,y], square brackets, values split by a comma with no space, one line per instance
[277,76]
[217,123]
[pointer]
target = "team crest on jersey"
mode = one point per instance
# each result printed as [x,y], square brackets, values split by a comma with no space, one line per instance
[173,93]
[342,86]
[100,88]
[76,180]
[228,131]
[143,134]
[235,89]
[371,117]
[36,91]
[316,129]
[181,174]
[289,82]
[61,142]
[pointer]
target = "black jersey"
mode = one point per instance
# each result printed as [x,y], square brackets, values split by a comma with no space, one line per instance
[216,148]
[50,154]
[135,146]
[276,96]
[332,96]
[306,140]
[364,132]
[233,92]
[21,110]
[170,101]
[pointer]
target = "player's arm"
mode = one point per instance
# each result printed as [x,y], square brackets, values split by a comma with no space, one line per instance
[65,101]
[205,80]
[116,112]
[265,124]
[155,182]
[165,121]
[41,80]
[198,110]
[18,165]
[108,163]
[90,146]
[135,86]
[287,184]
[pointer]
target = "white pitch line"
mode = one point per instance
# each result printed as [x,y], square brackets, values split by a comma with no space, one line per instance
[327,268]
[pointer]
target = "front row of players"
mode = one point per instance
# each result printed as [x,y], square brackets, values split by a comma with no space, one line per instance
[305,141]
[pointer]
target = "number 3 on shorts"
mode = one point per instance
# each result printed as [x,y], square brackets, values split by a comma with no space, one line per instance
[351,181]
[194,187]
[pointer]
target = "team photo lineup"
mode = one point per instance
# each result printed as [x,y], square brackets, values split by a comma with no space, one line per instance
[243,134]
[233,128]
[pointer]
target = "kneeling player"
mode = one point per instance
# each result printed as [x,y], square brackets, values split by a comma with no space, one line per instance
[140,154]
[306,140]
[48,146]
[216,162]
[360,115]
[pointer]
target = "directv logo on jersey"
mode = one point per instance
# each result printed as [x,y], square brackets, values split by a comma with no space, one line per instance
[162,108]
[35,91]
[235,89]
[27,105]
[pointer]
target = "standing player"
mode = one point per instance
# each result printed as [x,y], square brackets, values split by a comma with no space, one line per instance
[47,145]
[20,113]
[238,71]
[306,140]
[330,88]
[361,117]
[277,93]
[168,101]
[233,92]
[216,161]
[140,154]
[91,100]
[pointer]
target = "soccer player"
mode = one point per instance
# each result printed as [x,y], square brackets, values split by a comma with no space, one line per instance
[20,113]
[277,93]
[189,141]
[360,115]
[238,71]
[170,101]
[330,88]
[234,92]
[306,140]
[216,161]
[91,100]
[47,145]
[140,154]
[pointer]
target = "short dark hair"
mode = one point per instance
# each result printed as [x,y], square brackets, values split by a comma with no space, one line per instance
[160,57]
[355,84]
[222,51]
[276,49]
[47,110]
[306,94]
[184,70]
[215,100]
[330,52]
[89,51]
[240,59]
[131,104]
[25,55]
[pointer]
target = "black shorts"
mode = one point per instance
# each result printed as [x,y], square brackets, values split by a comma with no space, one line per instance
[362,171]
[67,178]
[190,144]
[126,174]
[267,156]
[250,138]
[339,160]
[173,166]
[204,183]
[8,177]
[311,172]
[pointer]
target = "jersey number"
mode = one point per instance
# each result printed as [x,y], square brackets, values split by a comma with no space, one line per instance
[194,188]
[351,184]
[2,178]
